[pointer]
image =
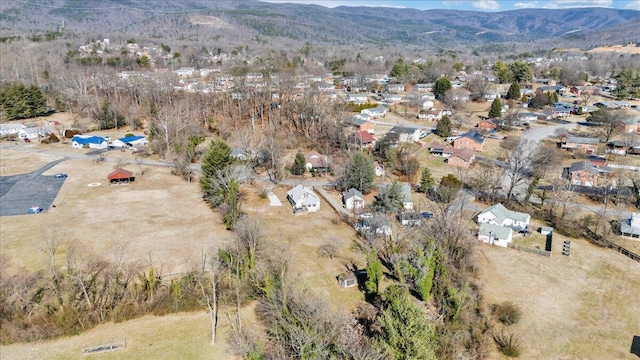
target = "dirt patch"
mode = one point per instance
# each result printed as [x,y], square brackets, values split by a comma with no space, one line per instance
[626,49]
[210,21]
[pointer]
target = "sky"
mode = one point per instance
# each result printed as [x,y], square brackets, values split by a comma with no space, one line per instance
[475,5]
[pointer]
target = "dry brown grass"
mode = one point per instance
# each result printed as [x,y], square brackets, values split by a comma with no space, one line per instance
[578,307]
[159,219]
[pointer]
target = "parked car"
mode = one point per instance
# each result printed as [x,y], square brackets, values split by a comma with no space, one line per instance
[60,176]
[426,215]
[34,210]
[27,140]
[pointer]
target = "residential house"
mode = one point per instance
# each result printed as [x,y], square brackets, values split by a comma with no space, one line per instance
[92,142]
[441,150]
[303,199]
[10,129]
[486,125]
[431,115]
[406,134]
[492,96]
[374,113]
[132,141]
[362,125]
[353,200]
[185,71]
[254,76]
[462,95]
[585,173]
[589,145]
[527,117]
[495,234]
[392,98]
[463,158]
[428,96]
[357,98]
[32,132]
[599,161]
[317,161]
[631,123]
[630,226]
[363,139]
[427,104]
[424,87]
[501,216]
[620,147]
[471,140]
[394,87]
[409,218]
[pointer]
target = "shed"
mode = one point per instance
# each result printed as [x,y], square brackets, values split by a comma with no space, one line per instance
[347,279]
[120,176]
[546,230]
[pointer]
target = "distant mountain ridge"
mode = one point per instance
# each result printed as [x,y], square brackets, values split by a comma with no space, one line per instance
[340,25]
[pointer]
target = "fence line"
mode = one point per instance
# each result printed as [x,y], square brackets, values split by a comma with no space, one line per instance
[529,249]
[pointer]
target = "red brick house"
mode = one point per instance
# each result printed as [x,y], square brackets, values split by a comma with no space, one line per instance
[471,140]
[462,158]
[486,125]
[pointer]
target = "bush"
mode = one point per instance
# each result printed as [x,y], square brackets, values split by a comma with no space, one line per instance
[507,344]
[508,313]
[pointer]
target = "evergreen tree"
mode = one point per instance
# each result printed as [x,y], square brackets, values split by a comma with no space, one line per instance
[20,102]
[441,86]
[232,204]
[514,91]
[426,180]
[389,199]
[405,333]
[496,109]
[502,72]
[374,273]
[521,71]
[299,165]
[443,127]
[214,163]
[360,173]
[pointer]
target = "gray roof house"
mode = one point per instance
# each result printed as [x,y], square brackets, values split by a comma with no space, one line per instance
[500,215]
[303,199]
[353,199]
[495,234]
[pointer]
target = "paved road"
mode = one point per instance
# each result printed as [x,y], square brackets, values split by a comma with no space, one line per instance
[18,193]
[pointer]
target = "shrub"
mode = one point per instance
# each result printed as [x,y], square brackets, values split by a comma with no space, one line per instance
[507,344]
[508,313]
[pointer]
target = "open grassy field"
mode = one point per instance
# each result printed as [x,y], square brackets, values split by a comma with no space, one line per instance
[158,219]
[580,307]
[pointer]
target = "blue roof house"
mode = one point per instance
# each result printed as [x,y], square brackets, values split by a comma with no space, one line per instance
[92,142]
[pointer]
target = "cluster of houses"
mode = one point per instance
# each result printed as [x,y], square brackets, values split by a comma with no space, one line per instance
[22,131]
[99,142]
[459,150]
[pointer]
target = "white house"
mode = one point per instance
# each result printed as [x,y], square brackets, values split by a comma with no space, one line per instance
[32,132]
[500,215]
[406,134]
[8,129]
[303,199]
[185,71]
[374,113]
[495,234]
[132,141]
[353,199]
[92,142]
[357,98]
[407,201]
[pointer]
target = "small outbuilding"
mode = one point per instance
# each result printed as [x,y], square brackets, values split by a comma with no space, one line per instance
[347,279]
[121,176]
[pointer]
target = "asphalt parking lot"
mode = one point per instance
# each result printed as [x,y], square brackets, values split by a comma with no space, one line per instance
[18,193]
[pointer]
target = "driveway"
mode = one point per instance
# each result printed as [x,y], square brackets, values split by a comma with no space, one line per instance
[20,192]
